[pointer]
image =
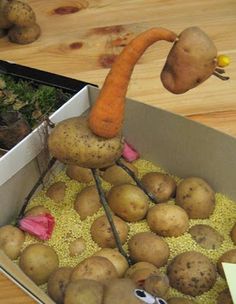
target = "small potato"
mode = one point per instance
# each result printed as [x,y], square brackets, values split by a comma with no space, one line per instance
[227,257]
[37,210]
[128,201]
[11,241]
[80,174]
[87,202]
[206,236]
[38,261]
[102,234]
[140,275]
[141,265]
[115,175]
[94,268]
[24,35]
[4,22]
[56,192]
[157,285]
[191,61]
[191,273]
[224,297]
[180,301]
[19,13]
[57,284]
[148,247]
[233,234]
[84,291]
[161,185]
[77,247]
[167,220]
[116,258]
[196,197]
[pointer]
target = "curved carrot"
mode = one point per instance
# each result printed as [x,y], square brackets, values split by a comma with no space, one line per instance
[107,114]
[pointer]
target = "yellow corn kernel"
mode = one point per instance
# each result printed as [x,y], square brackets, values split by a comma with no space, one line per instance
[223,61]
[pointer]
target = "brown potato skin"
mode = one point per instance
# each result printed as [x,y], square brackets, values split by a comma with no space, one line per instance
[56,192]
[24,35]
[206,236]
[167,220]
[191,273]
[196,197]
[148,247]
[80,174]
[115,175]
[157,285]
[72,142]
[58,282]
[38,261]
[37,210]
[87,202]
[128,201]
[94,268]
[227,257]
[84,291]
[139,266]
[101,231]
[161,185]
[233,234]
[4,22]
[11,241]
[190,62]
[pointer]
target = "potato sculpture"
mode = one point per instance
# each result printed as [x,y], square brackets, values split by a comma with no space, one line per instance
[139,266]
[191,61]
[148,247]
[80,174]
[101,231]
[84,291]
[227,257]
[167,220]
[191,273]
[196,197]
[11,241]
[77,246]
[57,284]
[38,261]
[94,268]
[161,185]
[128,201]
[157,285]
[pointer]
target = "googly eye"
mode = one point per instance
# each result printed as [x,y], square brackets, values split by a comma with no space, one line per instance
[160,301]
[144,296]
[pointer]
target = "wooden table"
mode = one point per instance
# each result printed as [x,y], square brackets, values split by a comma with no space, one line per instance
[81,38]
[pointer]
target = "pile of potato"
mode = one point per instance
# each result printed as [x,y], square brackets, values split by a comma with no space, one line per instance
[18,21]
[105,276]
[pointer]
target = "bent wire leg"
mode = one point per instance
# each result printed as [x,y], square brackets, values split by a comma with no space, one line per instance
[137,181]
[109,216]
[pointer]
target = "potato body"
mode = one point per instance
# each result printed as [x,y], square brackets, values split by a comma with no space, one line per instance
[196,197]
[56,192]
[115,175]
[24,35]
[149,247]
[38,261]
[87,202]
[116,258]
[37,210]
[206,236]
[72,142]
[94,268]
[19,13]
[80,174]
[191,61]
[11,241]
[84,291]
[227,257]
[120,291]
[128,201]
[4,21]
[141,265]
[161,185]
[77,246]
[57,284]
[167,220]
[101,231]
[157,285]
[191,273]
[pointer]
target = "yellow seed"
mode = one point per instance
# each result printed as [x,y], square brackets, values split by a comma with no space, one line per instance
[223,61]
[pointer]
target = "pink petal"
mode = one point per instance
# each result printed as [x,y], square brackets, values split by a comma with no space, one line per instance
[40,225]
[129,153]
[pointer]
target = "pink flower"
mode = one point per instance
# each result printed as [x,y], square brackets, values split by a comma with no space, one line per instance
[40,225]
[129,153]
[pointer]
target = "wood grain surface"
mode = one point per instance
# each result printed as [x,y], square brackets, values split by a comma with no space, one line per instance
[81,38]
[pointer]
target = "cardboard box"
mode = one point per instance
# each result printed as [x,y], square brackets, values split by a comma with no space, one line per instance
[179,145]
